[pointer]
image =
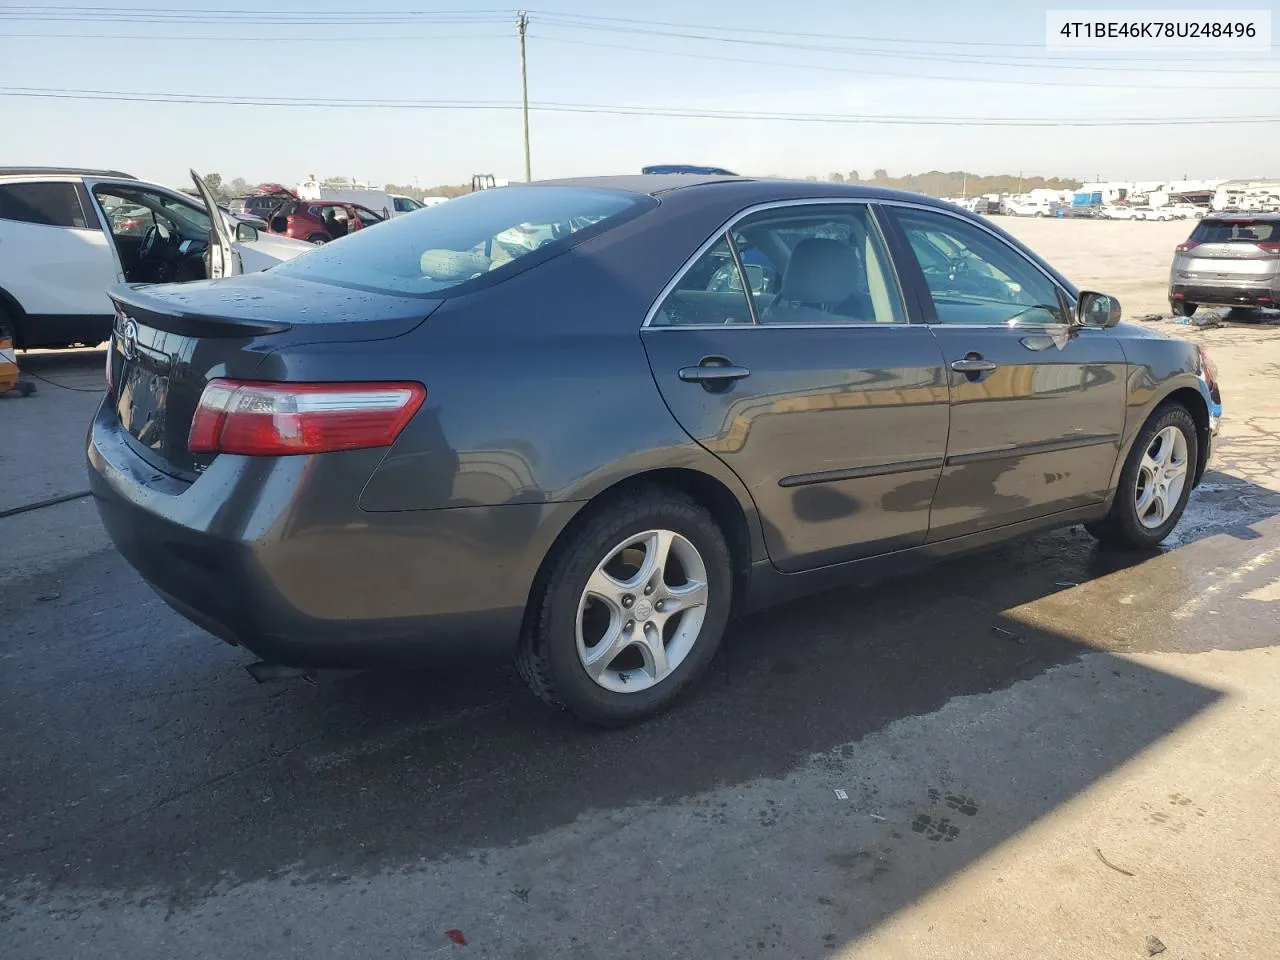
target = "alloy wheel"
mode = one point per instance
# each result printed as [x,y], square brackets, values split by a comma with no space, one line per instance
[642,611]
[1162,474]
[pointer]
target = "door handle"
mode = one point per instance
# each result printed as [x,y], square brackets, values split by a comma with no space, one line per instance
[972,364]
[713,370]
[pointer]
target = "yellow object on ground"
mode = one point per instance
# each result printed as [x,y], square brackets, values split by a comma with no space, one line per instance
[9,368]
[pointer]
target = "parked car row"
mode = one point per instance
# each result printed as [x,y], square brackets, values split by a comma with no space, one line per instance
[1172,211]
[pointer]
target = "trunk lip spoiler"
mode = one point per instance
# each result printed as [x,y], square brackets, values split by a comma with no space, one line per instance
[132,301]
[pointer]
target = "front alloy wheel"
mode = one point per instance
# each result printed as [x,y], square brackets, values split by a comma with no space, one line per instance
[1162,474]
[1155,482]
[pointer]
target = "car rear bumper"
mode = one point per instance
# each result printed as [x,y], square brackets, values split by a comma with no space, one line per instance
[1241,293]
[274,555]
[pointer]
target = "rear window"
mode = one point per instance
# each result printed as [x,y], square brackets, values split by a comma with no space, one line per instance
[470,238]
[49,204]
[1227,231]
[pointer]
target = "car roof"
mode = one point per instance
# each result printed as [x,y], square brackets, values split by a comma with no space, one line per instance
[751,188]
[640,183]
[63,172]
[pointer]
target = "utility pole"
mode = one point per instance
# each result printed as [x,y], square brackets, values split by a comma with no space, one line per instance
[964,186]
[522,23]
[1019,181]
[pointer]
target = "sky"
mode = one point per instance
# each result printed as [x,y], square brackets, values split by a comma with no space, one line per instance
[946,61]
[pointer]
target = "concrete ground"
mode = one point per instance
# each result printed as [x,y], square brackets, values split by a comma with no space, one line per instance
[1049,750]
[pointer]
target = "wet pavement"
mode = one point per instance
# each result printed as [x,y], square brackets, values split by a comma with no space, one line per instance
[155,802]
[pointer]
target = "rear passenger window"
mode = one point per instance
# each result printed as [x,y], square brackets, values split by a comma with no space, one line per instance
[709,292]
[48,204]
[818,265]
[803,265]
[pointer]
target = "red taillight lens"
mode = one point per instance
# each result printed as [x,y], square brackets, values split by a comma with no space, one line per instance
[1188,246]
[282,419]
[1208,366]
[1271,246]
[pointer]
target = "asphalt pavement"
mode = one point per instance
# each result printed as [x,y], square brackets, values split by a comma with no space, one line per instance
[1049,749]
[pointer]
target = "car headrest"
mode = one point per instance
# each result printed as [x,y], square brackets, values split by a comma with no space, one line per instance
[821,270]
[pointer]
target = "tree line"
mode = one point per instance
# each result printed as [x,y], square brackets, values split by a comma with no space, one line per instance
[935,183]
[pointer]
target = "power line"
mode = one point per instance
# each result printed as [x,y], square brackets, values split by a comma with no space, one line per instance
[251,17]
[115,10]
[621,110]
[786,33]
[1059,62]
[827,68]
[202,38]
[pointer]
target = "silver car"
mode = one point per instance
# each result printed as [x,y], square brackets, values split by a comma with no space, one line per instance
[1229,260]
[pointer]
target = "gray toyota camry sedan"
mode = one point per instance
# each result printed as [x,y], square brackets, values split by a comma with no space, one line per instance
[583,423]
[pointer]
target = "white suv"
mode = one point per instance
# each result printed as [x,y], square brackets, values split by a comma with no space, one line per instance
[66,235]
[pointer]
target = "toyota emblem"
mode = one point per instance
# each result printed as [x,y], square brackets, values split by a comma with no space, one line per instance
[129,339]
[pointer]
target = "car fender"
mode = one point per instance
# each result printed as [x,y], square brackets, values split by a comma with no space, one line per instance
[1157,367]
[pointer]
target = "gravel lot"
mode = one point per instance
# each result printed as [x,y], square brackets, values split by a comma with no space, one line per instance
[1097,771]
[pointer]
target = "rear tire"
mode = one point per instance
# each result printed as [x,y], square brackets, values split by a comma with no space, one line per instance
[1154,486]
[317,239]
[1180,308]
[597,642]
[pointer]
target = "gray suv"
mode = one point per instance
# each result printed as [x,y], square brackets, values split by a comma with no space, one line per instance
[1229,260]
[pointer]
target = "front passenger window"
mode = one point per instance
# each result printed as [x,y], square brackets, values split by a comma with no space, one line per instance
[973,276]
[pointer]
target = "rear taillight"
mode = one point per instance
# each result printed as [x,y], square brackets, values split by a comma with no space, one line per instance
[282,419]
[1188,246]
[1271,246]
[1209,368]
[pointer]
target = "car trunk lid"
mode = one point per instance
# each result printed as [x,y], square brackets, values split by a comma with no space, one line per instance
[169,341]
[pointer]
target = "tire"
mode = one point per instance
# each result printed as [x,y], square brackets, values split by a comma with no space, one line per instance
[318,239]
[1180,308]
[561,652]
[1126,525]
[1038,214]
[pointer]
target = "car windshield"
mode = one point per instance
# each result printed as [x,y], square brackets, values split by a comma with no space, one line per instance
[449,244]
[1229,231]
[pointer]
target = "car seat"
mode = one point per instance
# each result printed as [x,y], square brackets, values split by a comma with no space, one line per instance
[824,282]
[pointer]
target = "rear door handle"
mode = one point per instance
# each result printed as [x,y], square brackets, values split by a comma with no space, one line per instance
[972,365]
[712,370]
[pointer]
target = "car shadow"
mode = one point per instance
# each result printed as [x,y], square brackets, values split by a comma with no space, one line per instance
[381,771]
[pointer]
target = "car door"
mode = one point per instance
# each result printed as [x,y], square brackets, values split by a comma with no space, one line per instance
[223,258]
[57,261]
[1037,405]
[807,380]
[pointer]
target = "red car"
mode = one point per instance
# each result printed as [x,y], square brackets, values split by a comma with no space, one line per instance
[319,221]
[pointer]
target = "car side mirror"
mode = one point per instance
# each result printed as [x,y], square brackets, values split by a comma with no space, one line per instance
[246,233]
[1097,309]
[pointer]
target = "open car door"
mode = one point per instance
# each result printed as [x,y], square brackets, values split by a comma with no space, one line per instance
[222,261]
